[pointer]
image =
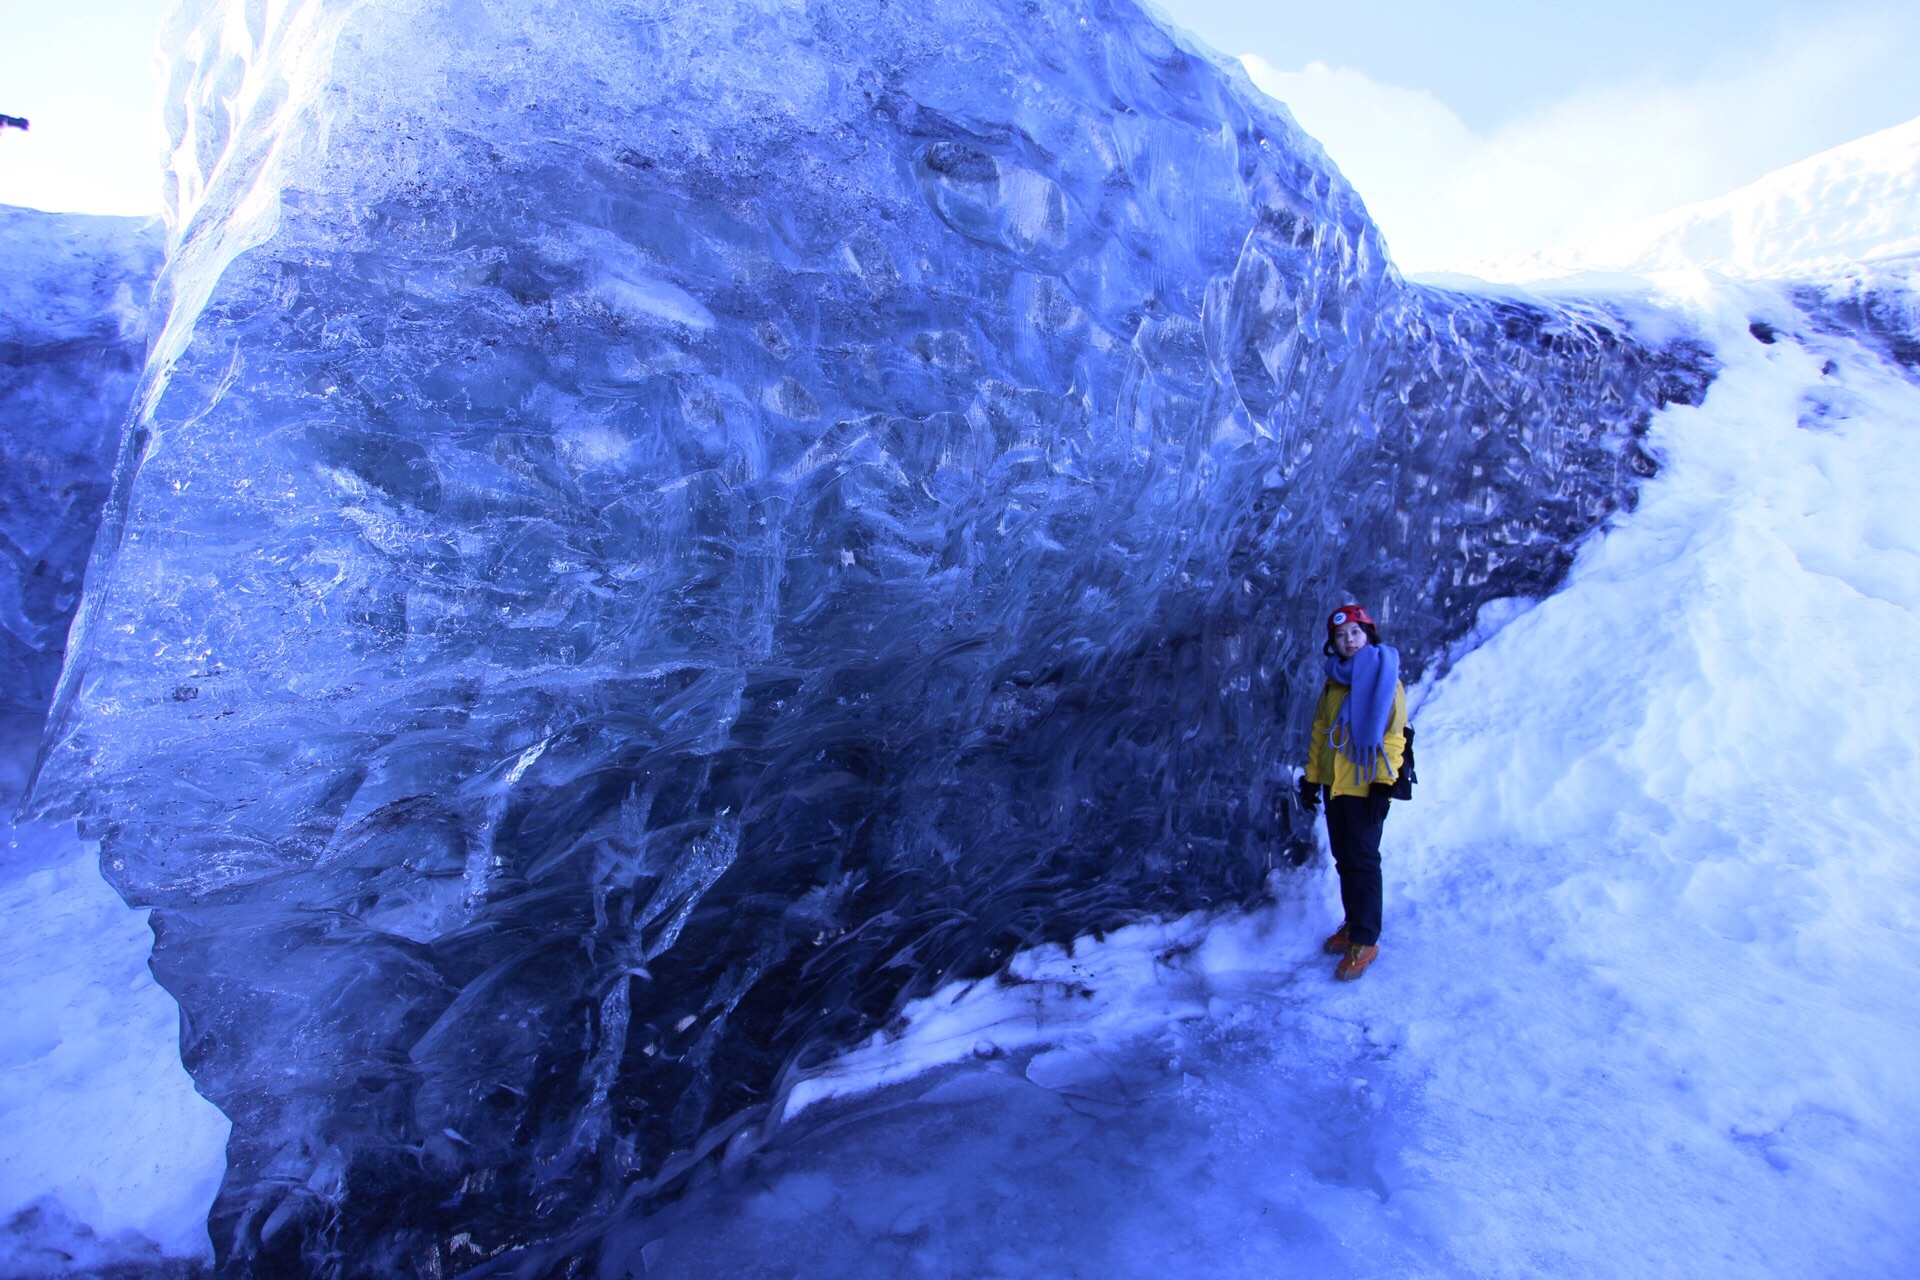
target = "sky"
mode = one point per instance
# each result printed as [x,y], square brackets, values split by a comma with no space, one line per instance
[1484,128]
[81,71]
[1472,128]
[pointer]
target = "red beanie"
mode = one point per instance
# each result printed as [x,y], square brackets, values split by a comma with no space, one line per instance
[1348,613]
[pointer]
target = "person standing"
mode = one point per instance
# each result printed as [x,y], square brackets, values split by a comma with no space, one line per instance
[1359,743]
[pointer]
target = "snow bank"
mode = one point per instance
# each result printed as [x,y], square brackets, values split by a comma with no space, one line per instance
[1656,964]
[107,1150]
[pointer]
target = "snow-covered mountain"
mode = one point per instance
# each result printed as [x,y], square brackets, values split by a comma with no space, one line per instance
[509,675]
[1854,207]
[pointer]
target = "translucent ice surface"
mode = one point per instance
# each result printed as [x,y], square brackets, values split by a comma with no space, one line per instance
[653,533]
[73,298]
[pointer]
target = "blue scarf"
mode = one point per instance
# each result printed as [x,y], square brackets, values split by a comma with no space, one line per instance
[1360,729]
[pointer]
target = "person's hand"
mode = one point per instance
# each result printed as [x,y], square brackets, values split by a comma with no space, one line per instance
[1309,794]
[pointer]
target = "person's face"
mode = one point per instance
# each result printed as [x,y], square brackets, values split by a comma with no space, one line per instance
[1349,639]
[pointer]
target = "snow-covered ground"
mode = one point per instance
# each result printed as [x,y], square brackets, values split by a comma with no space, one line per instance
[1649,996]
[107,1153]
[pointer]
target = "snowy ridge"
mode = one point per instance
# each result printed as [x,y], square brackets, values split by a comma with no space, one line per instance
[1856,204]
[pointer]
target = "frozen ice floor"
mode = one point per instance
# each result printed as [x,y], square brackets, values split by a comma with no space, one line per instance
[1284,1126]
[1213,1147]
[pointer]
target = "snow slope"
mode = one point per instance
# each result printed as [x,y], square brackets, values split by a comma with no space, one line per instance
[1661,958]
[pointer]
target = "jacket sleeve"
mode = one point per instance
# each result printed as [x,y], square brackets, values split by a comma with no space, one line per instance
[1319,766]
[1394,741]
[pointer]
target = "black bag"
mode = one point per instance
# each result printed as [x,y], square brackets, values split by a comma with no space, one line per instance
[1403,785]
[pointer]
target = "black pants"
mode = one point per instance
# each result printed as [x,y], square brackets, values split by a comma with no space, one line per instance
[1353,828]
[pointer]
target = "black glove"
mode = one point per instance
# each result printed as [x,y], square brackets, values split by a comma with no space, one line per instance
[1309,794]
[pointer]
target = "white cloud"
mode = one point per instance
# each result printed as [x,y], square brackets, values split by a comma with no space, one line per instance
[1600,156]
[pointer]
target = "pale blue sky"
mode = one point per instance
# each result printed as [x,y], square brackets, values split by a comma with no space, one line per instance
[1484,127]
[1469,127]
[80,71]
[1493,60]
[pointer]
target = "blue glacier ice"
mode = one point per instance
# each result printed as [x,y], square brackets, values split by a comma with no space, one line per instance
[73,310]
[649,534]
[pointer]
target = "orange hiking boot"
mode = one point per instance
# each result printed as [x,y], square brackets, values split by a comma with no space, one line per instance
[1337,943]
[1355,962]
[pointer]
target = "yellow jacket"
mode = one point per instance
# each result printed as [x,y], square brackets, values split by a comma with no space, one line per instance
[1327,766]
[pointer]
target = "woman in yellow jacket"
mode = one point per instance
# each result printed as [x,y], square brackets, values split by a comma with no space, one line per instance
[1359,742]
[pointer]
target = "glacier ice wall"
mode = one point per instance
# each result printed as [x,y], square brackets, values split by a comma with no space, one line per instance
[651,532]
[73,310]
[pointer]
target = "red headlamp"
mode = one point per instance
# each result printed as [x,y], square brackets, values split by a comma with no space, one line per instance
[1348,613]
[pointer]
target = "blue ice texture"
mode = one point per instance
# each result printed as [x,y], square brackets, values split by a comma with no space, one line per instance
[73,317]
[649,534]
